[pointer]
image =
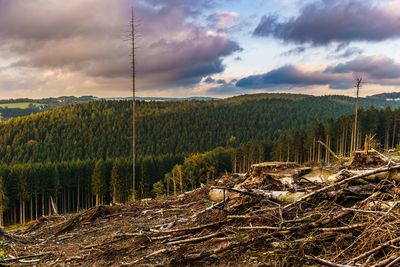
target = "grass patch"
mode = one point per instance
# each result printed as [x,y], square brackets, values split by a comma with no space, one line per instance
[21,105]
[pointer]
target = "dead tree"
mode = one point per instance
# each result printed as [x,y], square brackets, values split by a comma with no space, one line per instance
[133,107]
[358,84]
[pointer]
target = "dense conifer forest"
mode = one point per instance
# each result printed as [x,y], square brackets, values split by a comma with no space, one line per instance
[77,156]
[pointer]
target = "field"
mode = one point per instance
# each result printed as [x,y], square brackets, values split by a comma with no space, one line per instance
[21,105]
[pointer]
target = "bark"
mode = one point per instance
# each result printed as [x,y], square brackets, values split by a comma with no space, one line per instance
[174,183]
[78,198]
[346,180]
[36,206]
[21,221]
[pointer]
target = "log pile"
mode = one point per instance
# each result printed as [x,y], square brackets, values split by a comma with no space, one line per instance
[258,219]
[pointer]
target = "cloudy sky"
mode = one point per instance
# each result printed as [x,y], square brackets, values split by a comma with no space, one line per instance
[198,47]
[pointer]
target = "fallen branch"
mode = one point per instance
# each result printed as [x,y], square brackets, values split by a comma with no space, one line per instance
[378,248]
[145,257]
[222,248]
[198,256]
[341,182]
[325,262]
[311,225]
[29,261]
[195,239]
[386,262]
[26,257]
[216,205]
[189,228]
[367,211]
[394,262]
[176,238]
[383,157]
[344,228]
[330,151]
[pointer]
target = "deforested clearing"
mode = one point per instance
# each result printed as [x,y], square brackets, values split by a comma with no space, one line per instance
[277,214]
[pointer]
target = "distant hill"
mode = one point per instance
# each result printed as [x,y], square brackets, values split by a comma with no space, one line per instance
[394,96]
[197,98]
[11,108]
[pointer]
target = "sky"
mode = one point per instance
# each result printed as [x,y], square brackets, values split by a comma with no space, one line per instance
[184,48]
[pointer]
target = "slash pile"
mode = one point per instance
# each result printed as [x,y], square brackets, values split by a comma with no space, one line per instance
[279,214]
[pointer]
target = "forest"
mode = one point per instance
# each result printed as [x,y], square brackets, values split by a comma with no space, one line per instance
[78,156]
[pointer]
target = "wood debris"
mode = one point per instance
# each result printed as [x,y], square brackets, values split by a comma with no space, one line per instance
[352,219]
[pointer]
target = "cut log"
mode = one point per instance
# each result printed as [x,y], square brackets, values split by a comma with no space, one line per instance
[280,196]
[387,175]
[272,166]
[217,194]
[344,181]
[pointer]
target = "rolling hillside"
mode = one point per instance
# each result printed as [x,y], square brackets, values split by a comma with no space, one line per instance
[102,129]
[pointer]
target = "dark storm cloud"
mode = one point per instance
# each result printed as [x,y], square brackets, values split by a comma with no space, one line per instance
[197,56]
[375,70]
[180,52]
[212,80]
[82,36]
[87,37]
[323,22]
[286,76]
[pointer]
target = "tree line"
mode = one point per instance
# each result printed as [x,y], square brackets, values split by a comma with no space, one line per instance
[300,146]
[31,190]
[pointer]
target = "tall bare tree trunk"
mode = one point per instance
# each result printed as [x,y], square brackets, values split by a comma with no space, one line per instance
[1,218]
[133,108]
[21,221]
[43,204]
[36,206]
[181,178]
[394,133]
[31,208]
[78,199]
[387,139]
[358,86]
[174,183]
